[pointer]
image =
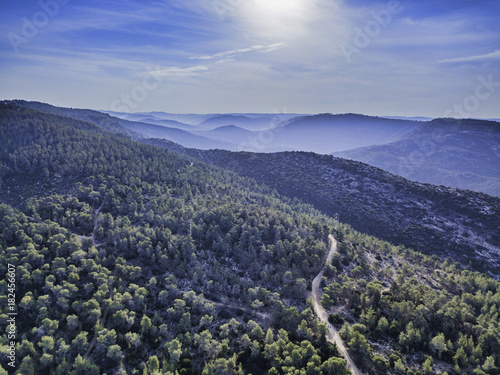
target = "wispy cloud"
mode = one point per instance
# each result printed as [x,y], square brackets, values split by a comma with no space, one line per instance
[229,55]
[176,71]
[495,55]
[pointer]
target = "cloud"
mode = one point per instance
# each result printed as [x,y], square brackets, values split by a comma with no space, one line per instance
[176,71]
[488,56]
[229,55]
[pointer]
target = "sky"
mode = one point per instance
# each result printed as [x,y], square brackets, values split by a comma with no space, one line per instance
[400,58]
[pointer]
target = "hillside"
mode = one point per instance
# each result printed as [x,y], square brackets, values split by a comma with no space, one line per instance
[229,133]
[128,258]
[323,132]
[462,225]
[454,153]
[252,122]
[100,119]
[136,129]
[457,153]
[114,241]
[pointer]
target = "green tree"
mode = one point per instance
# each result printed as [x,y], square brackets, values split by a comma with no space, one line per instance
[360,349]
[399,367]
[83,366]
[460,358]
[379,364]
[438,344]
[427,366]
[114,354]
[26,367]
[489,365]
[334,366]
[46,343]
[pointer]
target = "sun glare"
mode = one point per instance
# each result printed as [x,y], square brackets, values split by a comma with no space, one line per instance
[277,18]
[280,6]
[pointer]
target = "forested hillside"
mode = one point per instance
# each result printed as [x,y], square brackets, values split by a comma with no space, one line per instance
[114,241]
[448,222]
[132,259]
[137,130]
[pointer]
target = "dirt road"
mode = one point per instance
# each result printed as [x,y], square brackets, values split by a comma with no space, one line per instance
[333,335]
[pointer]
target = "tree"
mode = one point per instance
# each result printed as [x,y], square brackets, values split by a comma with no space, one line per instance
[369,318]
[410,338]
[399,367]
[460,358]
[153,364]
[83,366]
[255,349]
[334,366]
[382,326]
[271,351]
[114,354]
[256,331]
[46,343]
[360,349]
[345,332]
[438,344]
[304,331]
[80,343]
[26,367]
[427,366]
[335,319]
[222,366]
[489,365]
[174,348]
[379,364]
[269,337]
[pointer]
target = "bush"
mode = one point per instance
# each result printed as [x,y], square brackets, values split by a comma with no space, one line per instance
[336,319]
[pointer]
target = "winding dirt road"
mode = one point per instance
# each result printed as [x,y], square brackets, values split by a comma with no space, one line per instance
[333,334]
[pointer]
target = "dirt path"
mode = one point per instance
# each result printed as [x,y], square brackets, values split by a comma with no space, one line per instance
[263,316]
[333,334]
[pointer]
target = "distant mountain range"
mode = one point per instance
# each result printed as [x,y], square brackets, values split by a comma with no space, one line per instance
[456,153]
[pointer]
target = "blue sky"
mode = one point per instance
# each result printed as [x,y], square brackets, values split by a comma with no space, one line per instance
[406,58]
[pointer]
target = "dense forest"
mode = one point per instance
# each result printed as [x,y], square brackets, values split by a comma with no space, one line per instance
[432,219]
[131,259]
